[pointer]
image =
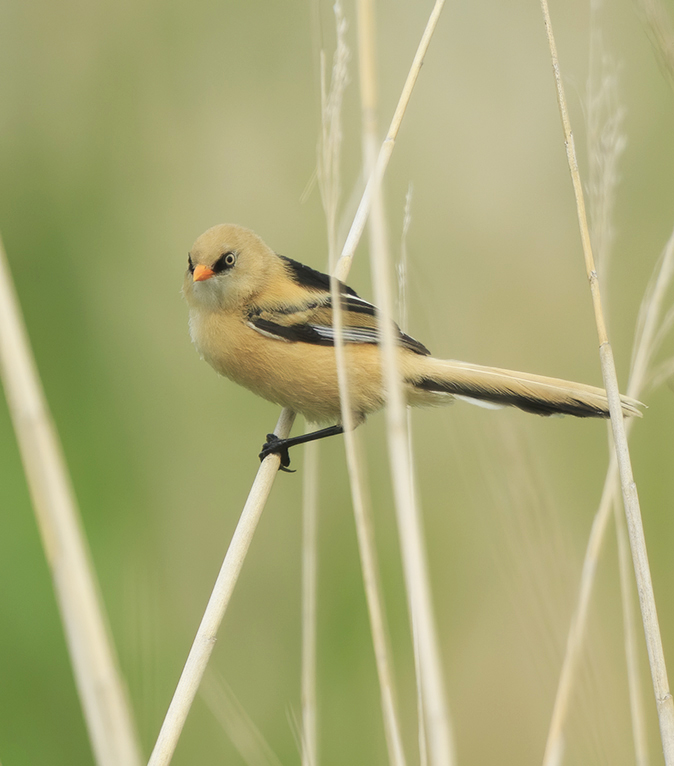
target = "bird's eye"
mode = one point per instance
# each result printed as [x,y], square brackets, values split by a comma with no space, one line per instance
[224,262]
[190,265]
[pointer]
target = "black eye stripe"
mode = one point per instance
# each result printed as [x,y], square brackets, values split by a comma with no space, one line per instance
[224,262]
[190,265]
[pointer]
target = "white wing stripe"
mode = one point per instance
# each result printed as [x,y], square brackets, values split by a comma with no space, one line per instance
[354,334]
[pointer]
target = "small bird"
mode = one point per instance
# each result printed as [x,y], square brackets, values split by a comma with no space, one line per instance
[266,322]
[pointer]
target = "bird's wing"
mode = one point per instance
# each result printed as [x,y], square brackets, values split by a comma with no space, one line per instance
[313,323]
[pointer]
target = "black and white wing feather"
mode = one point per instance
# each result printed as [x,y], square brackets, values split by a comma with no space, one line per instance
[312,322]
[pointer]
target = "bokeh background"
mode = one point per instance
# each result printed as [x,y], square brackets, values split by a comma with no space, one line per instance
[128,128]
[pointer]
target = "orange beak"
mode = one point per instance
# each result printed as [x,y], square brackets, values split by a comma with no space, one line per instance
[202,273]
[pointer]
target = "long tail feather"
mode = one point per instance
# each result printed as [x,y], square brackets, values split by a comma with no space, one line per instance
[531,393]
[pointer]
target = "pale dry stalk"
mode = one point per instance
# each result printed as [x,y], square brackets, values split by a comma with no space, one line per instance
[328,179]
[431,677]
[368,100]
[328,176]
[637,711]
[647,340]
[206,635]
[663,697]
[402,321]
[431,680]
[309,729]
[389,143]
[366,548]
[100,687]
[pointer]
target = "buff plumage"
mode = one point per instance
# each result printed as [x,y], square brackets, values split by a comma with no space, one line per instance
[265,322]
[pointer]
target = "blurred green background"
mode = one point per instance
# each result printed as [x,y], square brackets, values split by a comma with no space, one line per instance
[128,128]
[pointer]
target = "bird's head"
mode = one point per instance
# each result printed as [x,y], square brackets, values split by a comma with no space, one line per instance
[226,267]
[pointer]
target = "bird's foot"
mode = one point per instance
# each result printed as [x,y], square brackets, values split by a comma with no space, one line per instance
[277,446]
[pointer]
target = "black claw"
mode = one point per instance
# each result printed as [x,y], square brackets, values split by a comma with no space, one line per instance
[274,445]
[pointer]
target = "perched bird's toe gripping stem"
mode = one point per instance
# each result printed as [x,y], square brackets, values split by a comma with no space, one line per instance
[281,446]
[274,445]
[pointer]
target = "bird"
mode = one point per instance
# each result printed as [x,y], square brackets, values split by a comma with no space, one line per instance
[265,321]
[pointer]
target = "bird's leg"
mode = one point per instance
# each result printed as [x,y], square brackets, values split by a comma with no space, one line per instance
[274,445]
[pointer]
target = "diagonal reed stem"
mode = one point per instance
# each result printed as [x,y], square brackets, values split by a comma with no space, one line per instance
[645,345]
[663,697]
[204,641]
[101,689]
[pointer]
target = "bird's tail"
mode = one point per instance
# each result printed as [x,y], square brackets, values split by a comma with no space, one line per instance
[491,386]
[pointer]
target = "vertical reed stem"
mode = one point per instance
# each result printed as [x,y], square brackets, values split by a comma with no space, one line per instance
[663,697]
[309,603]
